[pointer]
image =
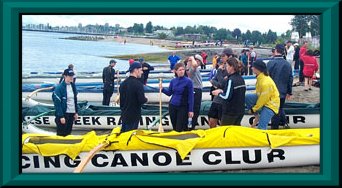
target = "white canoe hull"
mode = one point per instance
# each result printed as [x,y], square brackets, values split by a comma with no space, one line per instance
[97,97]
[151,122]
[169,161]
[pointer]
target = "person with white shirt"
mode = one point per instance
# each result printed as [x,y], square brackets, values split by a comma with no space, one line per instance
[290,52]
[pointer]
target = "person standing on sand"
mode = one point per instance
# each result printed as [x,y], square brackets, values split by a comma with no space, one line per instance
[244,59]
[289,52]
[302,52]
[310,67]
[266,100]
[65,102]
[132,97]
[251,57]
[182,99]
[204,57]
[280,70]
[108,77]
[173,59]
[296,59]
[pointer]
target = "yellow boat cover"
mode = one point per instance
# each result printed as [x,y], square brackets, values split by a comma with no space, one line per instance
[182,142]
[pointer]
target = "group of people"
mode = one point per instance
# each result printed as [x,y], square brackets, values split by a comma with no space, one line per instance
[229,98]
[273,87]
[303,61]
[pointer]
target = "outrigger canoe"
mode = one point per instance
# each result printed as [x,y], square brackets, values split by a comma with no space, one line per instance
[299,115]
[221,148]
[30,85]
[95,94]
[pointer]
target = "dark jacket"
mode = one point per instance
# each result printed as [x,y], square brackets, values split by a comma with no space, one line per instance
[132,97]
[218,79]
[280,71]
[234,95]
[296,54]
[219,82]
[108,75]
[146,72]
[59,97]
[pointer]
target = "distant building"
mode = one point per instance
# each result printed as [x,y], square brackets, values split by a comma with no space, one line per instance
[167,32]
[192,36]
[295,36]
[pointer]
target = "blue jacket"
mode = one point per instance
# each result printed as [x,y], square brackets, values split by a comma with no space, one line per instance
[182,91]
[59,97]
[280,71]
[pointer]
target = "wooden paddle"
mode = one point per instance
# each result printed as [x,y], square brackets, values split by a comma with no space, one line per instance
[90,155]
[117,98]
[160,128]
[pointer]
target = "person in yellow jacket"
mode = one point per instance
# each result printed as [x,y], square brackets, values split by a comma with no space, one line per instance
[215,59]
[264,104]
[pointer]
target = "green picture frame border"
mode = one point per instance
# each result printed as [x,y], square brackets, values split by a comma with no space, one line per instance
[11,87]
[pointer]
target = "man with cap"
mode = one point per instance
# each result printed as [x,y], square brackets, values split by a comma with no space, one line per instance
[108,77]
[132,97]
[264,104]
[280,71]
[65,102]
[194,64]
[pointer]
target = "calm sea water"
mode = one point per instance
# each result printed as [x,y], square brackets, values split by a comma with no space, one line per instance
[47,52]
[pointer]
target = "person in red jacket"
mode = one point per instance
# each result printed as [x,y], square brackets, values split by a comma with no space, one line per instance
[204,56]
[310,67]
[302,52]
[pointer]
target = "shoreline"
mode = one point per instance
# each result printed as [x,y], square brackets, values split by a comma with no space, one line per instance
[161,57]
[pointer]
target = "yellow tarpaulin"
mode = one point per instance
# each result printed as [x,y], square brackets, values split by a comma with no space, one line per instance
[182,142]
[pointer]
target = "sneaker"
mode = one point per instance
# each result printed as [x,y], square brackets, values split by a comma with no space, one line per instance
[306,90]
[310,89]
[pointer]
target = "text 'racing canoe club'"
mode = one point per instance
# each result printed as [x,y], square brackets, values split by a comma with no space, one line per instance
[165,160]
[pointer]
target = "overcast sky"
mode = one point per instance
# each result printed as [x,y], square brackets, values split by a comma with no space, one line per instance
[262,23]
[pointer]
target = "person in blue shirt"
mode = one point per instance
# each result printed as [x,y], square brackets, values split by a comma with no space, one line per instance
[182,99]
[173,59]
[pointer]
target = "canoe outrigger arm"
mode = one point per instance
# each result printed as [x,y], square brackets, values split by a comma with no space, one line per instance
[37,90]
[30,128]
